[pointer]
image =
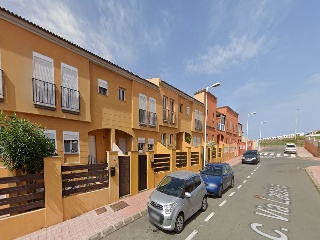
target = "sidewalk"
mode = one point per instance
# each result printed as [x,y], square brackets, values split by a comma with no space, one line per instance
[98,223]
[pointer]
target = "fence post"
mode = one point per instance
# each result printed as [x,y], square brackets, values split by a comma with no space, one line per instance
[113,161]
[53,190]
[188,158]
[134,164]
[173,159]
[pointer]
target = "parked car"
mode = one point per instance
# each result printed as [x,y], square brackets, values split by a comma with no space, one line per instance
[251,156]
[218,177]
[178,196]
[290,148]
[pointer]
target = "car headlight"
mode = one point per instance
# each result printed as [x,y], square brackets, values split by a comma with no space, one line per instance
[243,158]
[169,208]
[212,185]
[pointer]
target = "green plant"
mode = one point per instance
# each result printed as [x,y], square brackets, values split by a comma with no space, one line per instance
[187,137]
[23,144]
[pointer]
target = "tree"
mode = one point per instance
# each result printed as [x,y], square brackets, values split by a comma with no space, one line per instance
[23,144]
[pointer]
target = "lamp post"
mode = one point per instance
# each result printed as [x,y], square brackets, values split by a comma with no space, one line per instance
[205,123]
[295,130]
[248,129]
[260,132]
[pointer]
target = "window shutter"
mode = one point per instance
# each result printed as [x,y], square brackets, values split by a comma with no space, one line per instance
[43,68]
[69,77]
[152,106]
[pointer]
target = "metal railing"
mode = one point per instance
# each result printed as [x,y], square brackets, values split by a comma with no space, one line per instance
[220,127]
[198,125]
[152,119]
[44,93]
[70,99]
[142,117]
[165,115]
[172,117]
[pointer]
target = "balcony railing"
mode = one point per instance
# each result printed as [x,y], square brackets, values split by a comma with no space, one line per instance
[172,117]
[1,85]
[198,125]
[220,127]
[152,119]
[165,115]
[44,93]
[70,100]
[142,117]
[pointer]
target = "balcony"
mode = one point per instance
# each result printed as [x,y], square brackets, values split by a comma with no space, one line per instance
[172,117]
[70,100]
[220,127]
[44,94]
[142,117]
[165,115]
[1,86]
[198,125]
[152,119]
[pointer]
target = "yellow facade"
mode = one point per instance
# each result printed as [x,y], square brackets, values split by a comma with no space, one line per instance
[95,112]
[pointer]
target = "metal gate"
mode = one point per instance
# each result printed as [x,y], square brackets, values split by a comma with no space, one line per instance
[142,172]
[124,175]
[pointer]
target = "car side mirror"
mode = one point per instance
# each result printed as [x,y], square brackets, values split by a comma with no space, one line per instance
[187,195]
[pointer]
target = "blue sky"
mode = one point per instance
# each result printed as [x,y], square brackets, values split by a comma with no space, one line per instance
[265,54]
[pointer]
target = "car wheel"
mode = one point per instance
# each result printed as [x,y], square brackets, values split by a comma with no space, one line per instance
[220,191]
[179,224]
[204,205]
[232,183]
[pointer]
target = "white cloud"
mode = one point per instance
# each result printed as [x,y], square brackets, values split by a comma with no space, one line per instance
[220,57]
[251,89]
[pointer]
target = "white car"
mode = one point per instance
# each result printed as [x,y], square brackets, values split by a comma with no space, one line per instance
[290,148]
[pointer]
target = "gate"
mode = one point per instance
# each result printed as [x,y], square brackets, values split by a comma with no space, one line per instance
[124,175]
[142,172]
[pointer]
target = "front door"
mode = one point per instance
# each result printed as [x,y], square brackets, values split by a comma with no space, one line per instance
[142,172]
[124,175]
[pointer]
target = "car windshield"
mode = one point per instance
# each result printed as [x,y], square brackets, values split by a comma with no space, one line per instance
[212,170]
[291,146]
[251,152]
[171,186]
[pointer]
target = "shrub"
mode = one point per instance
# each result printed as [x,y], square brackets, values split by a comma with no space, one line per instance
[23,144]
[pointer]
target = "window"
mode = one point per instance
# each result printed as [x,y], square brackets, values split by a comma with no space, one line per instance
[171,140]
[188,111]
[164,109]
[102,87]
[194,141]
[51,135]
[181,108]
[212,117]
[142,109]
[189,185]
[71,142]
[198,142]
[164,139]
[197,181]
[1,80]
[141,144]
[122,92]
[171,112]
[69,88]
[150,144]
[152,112]
[43,81]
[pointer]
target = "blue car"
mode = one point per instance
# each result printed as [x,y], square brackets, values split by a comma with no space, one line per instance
[217,177]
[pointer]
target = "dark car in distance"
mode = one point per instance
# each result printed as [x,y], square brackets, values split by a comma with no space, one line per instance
[251,156]
[218,177]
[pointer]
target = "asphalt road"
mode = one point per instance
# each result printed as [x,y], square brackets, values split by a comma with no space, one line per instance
[272,200]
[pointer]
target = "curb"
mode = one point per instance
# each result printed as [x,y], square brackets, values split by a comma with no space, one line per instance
[118,225]
[316,183]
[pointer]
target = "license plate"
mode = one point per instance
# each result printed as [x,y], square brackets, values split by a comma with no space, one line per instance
[154,216]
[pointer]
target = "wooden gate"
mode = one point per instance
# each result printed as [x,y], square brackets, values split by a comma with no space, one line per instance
[142,172]
[124,175]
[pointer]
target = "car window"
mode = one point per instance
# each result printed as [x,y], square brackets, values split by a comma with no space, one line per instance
[171,186]
[197,181]
[189,185]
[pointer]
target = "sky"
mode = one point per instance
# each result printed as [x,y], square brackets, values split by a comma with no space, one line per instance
[265,54]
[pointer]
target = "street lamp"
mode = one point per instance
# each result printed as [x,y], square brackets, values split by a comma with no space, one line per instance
[205,123]
[248,129]
[260,132]
[295,130]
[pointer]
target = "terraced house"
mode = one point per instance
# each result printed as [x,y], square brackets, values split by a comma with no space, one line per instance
[95,112]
